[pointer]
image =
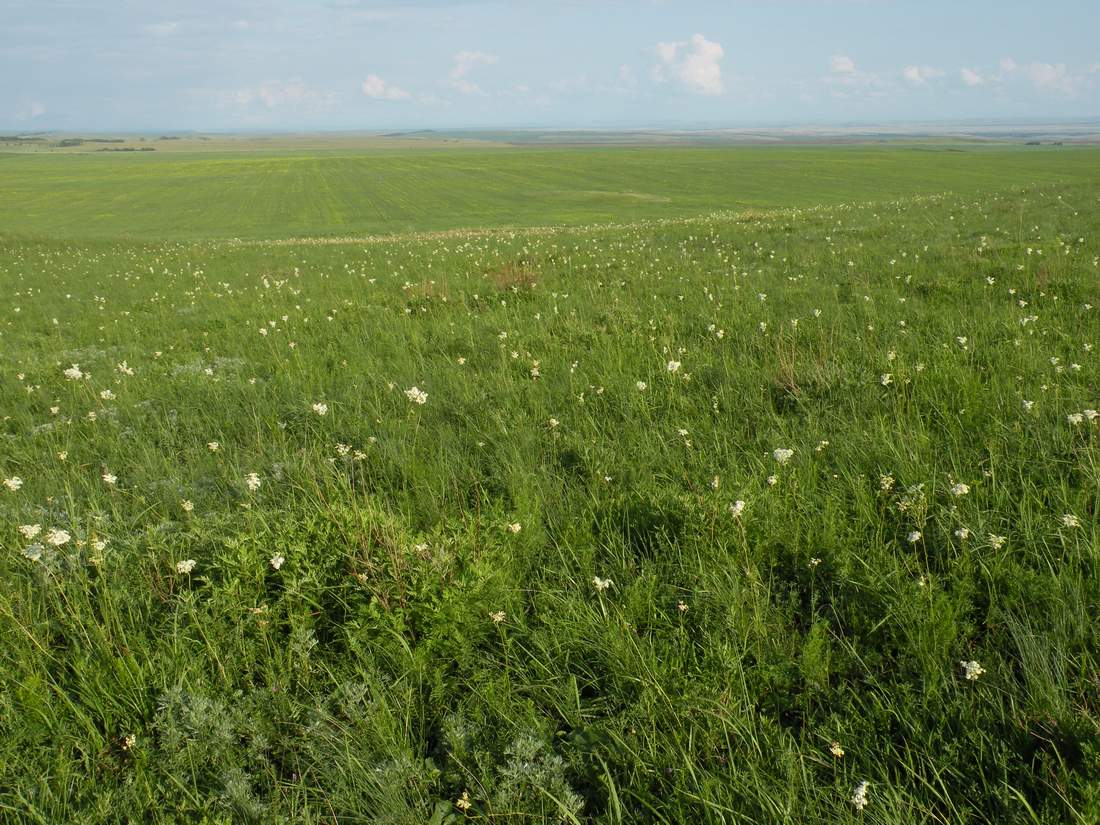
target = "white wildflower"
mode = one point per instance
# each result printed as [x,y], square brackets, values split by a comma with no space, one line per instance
[859,795]
[57,537]
[185,566]
[972,670]
[33,551]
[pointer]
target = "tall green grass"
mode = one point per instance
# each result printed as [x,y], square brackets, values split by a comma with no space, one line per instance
[402,623]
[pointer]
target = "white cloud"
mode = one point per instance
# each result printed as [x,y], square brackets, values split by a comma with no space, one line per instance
[30,111]
[293,93]
[695,63]
[842,64]
[162,29]
[971,77]
[846,81]
[464,63]
[272,94]
[920,75]
[566,85]
[1052,77]
[377,88]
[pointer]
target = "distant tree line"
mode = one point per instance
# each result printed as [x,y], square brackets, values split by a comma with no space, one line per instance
[81,141]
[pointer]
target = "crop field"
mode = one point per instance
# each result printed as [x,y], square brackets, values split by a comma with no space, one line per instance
[741,486]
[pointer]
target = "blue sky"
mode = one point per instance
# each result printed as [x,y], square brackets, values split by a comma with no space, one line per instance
[371,64]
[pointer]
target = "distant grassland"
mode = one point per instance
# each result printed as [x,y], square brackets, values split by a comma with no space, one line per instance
[268,194]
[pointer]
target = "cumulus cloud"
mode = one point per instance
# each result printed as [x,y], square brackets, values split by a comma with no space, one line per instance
[378,89]
[845,80]
[1053,77]
[842,64]
[464,63]
[920,75]
[696,63]
[971,77]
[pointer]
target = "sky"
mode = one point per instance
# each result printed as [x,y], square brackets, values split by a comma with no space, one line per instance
[238,65]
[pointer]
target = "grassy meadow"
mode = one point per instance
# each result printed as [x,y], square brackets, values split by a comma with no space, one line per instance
[275,194]
[773,500]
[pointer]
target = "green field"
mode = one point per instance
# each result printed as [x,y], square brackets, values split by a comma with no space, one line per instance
[786,481]
[324,193]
